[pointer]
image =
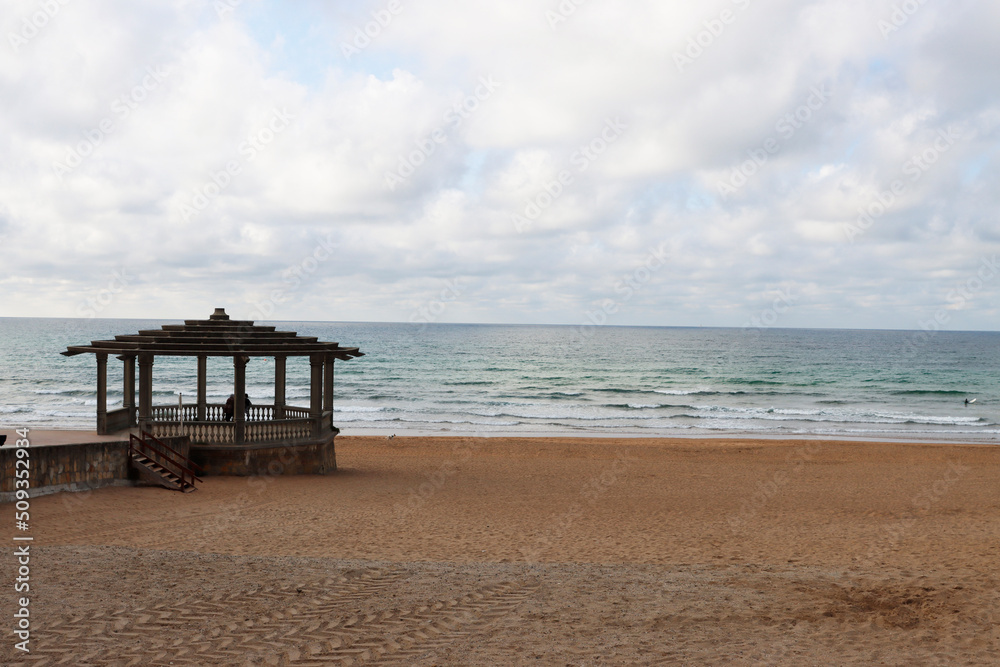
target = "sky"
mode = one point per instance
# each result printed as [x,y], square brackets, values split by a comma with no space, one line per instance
[790,163]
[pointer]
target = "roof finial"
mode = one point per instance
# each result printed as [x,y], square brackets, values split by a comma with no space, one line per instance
[219,314]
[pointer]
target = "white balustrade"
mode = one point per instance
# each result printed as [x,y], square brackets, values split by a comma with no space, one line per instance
[260,425]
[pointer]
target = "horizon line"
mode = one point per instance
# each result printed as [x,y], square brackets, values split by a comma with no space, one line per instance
[520,324]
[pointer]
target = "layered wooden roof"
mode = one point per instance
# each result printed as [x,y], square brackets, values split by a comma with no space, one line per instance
[217,336]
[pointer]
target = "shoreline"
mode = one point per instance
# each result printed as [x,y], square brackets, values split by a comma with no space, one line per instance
[60,436]
[734,435]
[664,441]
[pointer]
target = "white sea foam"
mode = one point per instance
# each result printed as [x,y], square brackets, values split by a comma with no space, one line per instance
[680,392]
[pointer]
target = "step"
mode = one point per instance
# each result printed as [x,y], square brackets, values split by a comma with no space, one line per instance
[163,472]
[167,478]
[149,463]
[157,473]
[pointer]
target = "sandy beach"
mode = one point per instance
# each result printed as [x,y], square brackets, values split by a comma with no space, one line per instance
[561,551]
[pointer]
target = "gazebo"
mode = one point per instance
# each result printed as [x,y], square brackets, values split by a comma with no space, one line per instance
[256,436]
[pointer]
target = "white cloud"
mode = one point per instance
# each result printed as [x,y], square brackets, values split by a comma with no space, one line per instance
[192,98]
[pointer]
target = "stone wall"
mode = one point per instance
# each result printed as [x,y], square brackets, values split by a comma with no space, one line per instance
[73,467]
[309,458]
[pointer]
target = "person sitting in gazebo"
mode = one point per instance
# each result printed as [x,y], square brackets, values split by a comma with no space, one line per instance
[227,412]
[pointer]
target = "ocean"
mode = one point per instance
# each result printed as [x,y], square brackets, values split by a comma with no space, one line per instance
[468,379]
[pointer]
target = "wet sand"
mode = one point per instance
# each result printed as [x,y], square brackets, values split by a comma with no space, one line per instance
[563,551]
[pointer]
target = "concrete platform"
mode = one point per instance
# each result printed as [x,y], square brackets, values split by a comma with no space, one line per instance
[70,461]
[51,437]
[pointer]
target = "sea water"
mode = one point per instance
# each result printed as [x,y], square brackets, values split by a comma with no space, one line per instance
[559,380]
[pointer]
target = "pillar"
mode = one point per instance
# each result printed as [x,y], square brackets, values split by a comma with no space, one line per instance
[128,387]
[279,387]
[202,382]
[146,391]
[328,390]
[102,393]
[239,400]
[316,393]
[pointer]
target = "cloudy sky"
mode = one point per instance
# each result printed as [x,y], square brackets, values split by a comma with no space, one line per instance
[830,163]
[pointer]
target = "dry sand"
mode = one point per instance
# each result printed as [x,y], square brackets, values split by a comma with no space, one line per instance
[561,551]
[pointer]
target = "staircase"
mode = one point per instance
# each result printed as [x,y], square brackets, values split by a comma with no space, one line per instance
[164,464]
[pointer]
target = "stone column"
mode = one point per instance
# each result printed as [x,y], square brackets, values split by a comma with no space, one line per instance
[202,381]
[146,392]
[128,387]
[316,393]
[328,390]
[279,387]
[102,393]
[239,401]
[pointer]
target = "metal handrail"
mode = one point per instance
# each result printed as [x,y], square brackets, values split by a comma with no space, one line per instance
[133,438]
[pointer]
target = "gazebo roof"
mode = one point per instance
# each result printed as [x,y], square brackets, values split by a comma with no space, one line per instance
[217,336]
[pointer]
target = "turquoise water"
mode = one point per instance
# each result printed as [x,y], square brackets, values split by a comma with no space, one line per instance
[484,379]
